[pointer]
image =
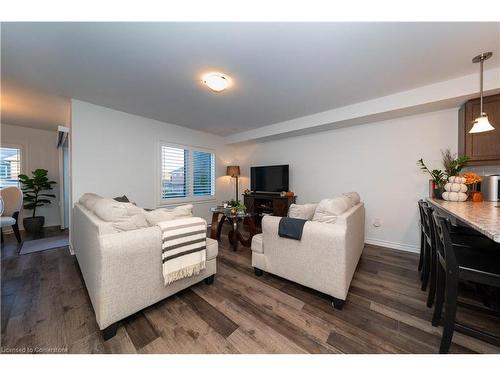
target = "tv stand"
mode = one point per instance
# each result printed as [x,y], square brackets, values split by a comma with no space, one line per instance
[270,204]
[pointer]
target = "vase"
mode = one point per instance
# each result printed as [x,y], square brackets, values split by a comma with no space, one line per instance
[33,225]
[477,196]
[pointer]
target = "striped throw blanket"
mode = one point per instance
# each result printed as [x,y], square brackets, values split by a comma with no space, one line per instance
[184,247]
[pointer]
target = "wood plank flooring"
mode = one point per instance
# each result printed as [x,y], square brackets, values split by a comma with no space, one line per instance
[45,308]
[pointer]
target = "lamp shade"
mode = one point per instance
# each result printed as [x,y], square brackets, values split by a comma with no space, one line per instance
[481,124]
[233,170]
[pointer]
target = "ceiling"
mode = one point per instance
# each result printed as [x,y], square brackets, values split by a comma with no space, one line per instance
[280,70]
[26,107]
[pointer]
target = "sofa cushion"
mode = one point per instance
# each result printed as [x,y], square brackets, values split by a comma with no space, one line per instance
[88,200]
[108,209]
[164,214]
[133,222]
[212,248]
[328,209]
[302,211]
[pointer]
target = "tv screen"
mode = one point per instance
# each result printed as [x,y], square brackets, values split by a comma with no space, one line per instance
[270,179]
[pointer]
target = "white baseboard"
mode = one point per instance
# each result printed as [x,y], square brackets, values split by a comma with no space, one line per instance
[393,245]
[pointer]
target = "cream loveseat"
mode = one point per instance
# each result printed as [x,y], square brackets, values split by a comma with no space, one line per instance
[123,269]
[326,256]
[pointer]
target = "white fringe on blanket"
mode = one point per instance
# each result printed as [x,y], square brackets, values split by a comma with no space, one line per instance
[183,248]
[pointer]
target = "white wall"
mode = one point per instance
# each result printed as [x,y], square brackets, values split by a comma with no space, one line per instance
[38,151]
[378,160]
[116,153]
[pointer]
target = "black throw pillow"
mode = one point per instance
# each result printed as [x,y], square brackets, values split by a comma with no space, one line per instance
[122,199]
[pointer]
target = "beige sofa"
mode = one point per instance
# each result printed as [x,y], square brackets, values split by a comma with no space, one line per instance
[123,270]
[324,259]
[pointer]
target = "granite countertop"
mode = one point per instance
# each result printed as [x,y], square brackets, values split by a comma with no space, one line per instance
[482,216]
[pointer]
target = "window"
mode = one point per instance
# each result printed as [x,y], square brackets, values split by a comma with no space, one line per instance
[10,166]
[186,174]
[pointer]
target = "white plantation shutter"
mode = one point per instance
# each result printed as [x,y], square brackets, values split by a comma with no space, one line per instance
[174,182]
[203,164]
[10,166]
[186,173]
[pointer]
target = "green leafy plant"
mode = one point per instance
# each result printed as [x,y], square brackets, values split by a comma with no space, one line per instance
[33,187]
[241,207]
[233,203]
[437,175]
[452,163]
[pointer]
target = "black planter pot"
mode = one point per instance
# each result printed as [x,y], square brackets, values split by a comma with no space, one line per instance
[438,193]
[33,225]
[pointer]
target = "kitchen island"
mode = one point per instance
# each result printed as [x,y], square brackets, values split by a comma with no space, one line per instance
[482,216]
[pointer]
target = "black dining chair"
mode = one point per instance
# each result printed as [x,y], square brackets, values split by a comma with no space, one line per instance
[460,236]
[425,243]
[476,259]
[427,261]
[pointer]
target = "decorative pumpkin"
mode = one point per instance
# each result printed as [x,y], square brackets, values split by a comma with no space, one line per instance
[455,189]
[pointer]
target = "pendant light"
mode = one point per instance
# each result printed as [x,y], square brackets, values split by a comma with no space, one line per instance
[481,123]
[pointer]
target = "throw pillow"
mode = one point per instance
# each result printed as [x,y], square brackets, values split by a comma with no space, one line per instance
[132,223]
[353,197]
[110,210]
[328,209]
[164,214]
[89,200]
[302,211]
[123,198]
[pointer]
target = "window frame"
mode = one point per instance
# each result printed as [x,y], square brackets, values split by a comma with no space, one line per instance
[22,156]
[190,198]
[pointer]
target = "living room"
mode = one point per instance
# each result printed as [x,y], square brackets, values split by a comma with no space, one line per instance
[251,187]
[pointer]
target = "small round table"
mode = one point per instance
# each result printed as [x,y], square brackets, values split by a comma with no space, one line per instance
[234,234]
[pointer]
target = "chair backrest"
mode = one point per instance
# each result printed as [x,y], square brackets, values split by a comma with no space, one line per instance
[425,220]
[429,228]
[421,204]
[444,243]
[12,198]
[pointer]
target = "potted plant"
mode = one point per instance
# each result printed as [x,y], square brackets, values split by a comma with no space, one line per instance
[34,197]
[452,163]
[438,178]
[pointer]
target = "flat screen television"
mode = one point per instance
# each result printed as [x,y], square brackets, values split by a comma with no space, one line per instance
[269,179]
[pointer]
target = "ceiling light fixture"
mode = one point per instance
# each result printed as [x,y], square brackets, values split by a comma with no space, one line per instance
[481,123]
[216,81]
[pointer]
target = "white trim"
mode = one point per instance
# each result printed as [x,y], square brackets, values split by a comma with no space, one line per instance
[393,245]
[193,200]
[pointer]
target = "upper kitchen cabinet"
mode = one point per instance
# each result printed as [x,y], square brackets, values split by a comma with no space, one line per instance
[482,148]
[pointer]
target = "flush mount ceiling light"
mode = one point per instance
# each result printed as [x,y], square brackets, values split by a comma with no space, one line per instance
[481,123]
[216,81]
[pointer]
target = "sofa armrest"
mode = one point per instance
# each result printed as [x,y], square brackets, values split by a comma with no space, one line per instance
[122,264]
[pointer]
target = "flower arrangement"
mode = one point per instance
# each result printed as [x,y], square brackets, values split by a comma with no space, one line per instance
[471,179]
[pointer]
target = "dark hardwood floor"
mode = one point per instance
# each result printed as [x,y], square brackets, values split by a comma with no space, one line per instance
[45,308]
